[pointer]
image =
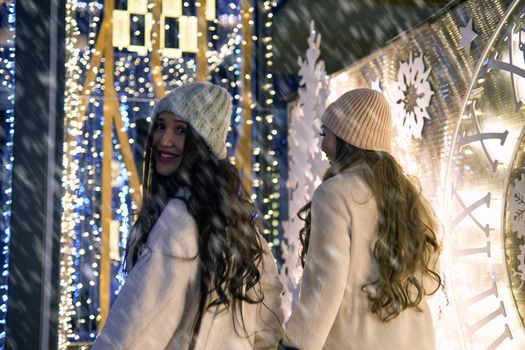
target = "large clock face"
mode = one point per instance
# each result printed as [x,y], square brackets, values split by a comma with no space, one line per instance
[485,230]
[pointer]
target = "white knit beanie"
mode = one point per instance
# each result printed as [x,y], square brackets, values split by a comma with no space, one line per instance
[362,118]
[206,107]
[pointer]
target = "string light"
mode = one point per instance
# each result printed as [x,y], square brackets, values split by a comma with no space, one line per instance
[266,165]
[7,79]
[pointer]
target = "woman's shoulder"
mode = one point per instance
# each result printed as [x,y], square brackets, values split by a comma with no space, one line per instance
[175,232]
[345,178]
[350,181]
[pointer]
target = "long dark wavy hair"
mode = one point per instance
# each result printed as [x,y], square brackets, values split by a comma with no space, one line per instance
[407,248]
[229,241]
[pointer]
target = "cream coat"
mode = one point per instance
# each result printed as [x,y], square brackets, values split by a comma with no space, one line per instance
[332,311]
[158,303]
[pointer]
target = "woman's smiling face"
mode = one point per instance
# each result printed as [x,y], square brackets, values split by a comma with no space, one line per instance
[169,135]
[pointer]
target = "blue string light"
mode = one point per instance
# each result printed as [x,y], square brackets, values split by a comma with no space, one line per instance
[7,75]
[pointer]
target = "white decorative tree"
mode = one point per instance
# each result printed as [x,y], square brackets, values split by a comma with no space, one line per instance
[305,159]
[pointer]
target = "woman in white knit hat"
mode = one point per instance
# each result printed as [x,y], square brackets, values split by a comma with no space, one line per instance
[200,276]
[369,244]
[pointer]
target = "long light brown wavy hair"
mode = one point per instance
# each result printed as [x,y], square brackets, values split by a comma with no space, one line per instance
[406,248]
[229,243]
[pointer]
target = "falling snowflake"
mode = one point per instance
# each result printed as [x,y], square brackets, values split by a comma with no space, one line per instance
[411,97]
[376,85]
[517,220]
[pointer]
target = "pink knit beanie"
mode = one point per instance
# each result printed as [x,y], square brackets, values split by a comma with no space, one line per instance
[362,118]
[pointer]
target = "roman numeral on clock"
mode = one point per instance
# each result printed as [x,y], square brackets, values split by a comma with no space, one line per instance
[481,137]
[482,322]
[467,211]
[491,292]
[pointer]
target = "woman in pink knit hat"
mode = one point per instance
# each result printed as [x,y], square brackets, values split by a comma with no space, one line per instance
[370,250]
[200,275]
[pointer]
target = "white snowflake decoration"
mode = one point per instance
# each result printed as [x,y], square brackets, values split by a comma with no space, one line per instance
[400,143]
[517,220]
[411,97]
